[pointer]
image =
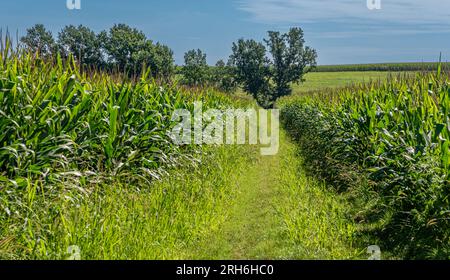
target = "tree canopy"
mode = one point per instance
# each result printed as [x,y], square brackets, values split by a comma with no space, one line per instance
[82,43]
[267,70]
[195,69]
[121,48]
[39,40]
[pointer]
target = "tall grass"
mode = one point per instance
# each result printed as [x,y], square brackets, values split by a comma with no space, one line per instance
[388,145]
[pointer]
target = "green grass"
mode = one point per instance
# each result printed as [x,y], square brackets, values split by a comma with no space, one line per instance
[384,67]
[320,81]
[316,219]
[159,221]
[278,212]
[87,161]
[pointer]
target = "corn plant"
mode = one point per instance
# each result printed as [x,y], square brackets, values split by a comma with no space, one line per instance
[389,143]
[72,139]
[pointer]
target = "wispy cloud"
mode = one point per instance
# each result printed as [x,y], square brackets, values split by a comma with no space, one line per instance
[399,15]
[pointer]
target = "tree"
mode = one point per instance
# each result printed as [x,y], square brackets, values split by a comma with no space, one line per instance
[223,78]
[195,69]
[162,62]
[129,49]
[39,40]
[291,59]
[82,43]
[268,78]
[158,59]
[251,67]
[123,44]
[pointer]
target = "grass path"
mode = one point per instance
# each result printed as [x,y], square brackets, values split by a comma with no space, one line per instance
[279,213]
[251,230]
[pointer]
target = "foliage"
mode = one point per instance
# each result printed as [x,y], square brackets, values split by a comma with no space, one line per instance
[382,67]
[388,145]
[121,48]
[39,40]
[130,50]
[68,124]
[252,67]
[268,78]
[85,160]
[82,43]
[222,77]
[161,62]
[125,47]
[195,69]
[291,60]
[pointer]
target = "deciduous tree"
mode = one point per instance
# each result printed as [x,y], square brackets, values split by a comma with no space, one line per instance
[39,40]
[82,43]
[195,69]
[268,75]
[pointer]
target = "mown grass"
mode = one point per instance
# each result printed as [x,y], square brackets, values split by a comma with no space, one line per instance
[324,81]
[317,220]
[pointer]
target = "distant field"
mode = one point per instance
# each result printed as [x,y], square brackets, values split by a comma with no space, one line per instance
[387,67]
[322,80]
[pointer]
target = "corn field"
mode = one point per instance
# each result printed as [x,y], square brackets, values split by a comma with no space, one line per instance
[86,160]
[386,146]
[76,145]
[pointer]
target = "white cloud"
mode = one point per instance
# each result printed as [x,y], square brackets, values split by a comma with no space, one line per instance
[399,12]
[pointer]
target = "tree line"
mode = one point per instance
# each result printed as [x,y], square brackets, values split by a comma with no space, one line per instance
[120,48]
[265,69]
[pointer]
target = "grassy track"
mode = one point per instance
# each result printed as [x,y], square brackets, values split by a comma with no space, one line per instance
[279,213]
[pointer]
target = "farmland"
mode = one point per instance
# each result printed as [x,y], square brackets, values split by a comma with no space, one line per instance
[324,81]
[87,160]
[386,146]
[382,67]
[91,163]
[321,81]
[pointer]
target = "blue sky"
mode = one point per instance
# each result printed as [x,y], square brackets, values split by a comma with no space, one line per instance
[342,31]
